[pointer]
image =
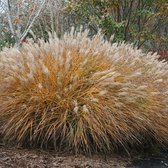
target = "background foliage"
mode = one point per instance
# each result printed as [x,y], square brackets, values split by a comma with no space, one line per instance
[142,22]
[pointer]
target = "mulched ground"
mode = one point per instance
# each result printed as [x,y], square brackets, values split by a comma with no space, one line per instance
[11,157]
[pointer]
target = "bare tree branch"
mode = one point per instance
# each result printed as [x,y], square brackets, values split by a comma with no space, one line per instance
[32,22]
[9,18]
[19,23]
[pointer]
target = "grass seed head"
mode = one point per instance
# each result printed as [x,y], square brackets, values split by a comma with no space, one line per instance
[83,94]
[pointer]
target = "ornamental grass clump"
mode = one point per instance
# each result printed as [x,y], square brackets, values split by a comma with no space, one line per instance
[83,94]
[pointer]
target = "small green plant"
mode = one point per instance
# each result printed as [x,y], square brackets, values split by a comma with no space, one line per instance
[82,94]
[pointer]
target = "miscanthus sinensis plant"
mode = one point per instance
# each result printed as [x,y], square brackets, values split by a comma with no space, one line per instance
[83,94]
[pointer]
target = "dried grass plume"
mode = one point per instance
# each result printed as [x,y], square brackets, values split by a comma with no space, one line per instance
[83,94]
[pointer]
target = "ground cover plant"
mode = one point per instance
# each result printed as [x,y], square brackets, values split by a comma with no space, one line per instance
[83,94]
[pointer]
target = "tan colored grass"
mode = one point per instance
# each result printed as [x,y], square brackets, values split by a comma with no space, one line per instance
[83,94]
